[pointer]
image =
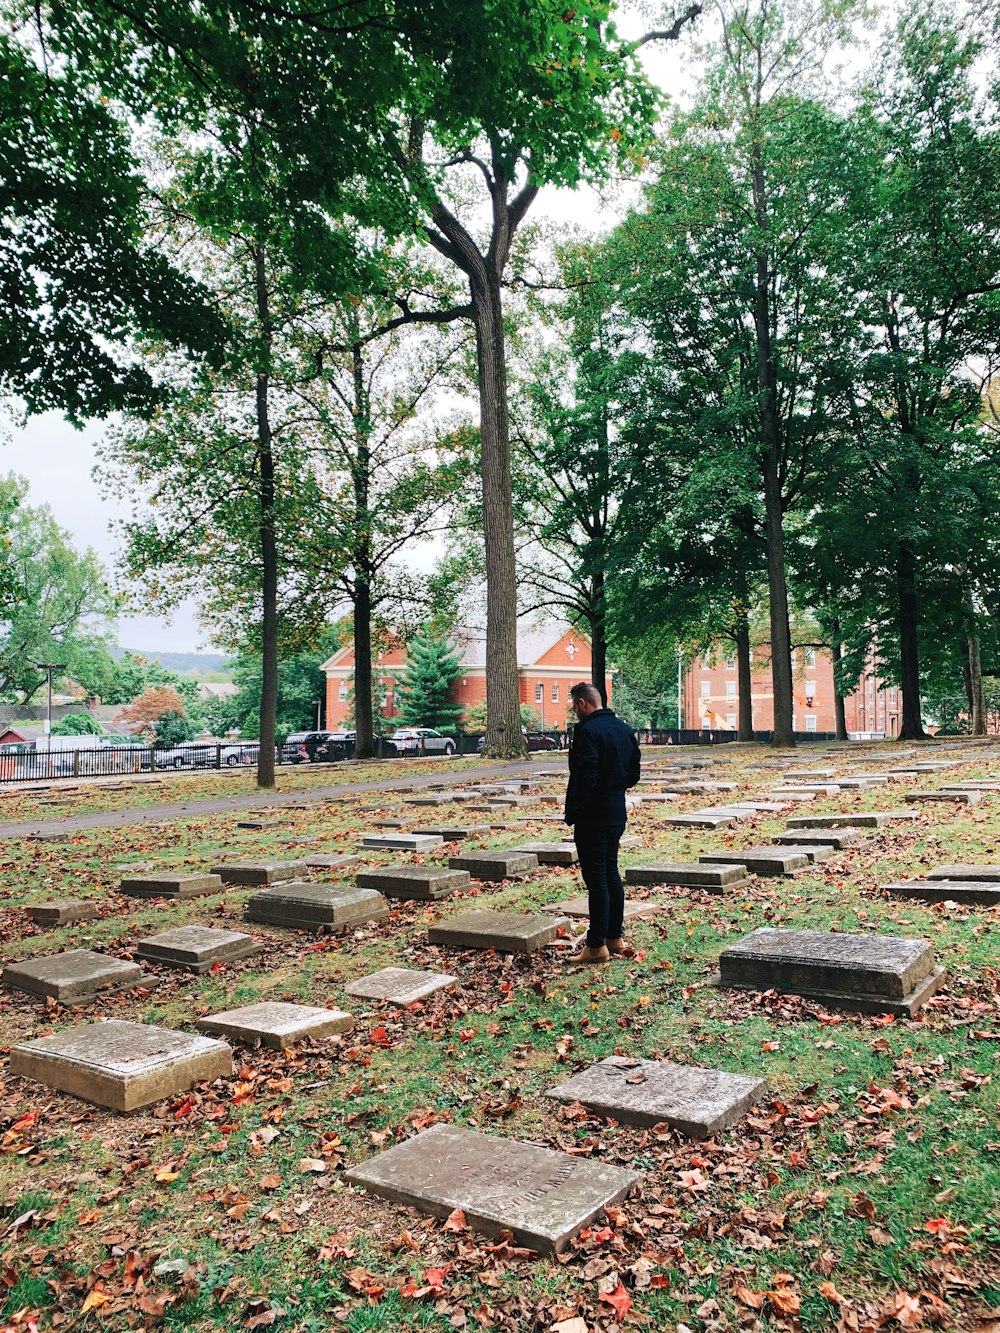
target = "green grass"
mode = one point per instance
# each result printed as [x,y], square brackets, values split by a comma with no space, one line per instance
[874,1129]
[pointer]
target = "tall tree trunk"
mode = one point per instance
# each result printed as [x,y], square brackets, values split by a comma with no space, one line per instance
[744,687]
[911,728]
[362,559]
[503,715]
[770,435]
[839,708]
[978,700]
[598,637]
[268,547]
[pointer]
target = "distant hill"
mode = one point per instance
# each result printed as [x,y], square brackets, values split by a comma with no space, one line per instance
[198,663]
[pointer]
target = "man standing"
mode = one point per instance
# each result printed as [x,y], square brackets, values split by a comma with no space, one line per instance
[603,763]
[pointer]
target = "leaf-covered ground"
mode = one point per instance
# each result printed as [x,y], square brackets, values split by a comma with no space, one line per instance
[860,1196]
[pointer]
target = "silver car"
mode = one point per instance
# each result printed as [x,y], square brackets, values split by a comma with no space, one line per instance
[422,740]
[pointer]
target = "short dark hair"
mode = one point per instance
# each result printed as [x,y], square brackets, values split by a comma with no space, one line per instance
[587,691]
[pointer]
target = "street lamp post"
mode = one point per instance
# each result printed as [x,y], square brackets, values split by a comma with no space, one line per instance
[49,668]
[319,704]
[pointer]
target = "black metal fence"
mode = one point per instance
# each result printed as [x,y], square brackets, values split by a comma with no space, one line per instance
[24,764]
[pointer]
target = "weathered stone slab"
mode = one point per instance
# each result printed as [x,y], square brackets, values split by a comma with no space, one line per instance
[495,865]
[327,907]
[74,977]
[812,789]
[507,932]
[695,1101]
[401,842]
[819,773]
[170,886]
[276,1024]
[715,878]
[196,948]
[514,802]
[543,1197]
[455,832]
[260,824]
[699,821]
[956,797]
[47,837]
[974,891]
[989,873]
[579,908]
[332,862]
[399,985]
[60,912]
[655,797]
[790,796]
[259,872]
[867,973]
[121,1065]
[551,853]
[736,812]
[761,807]
[857,819]
[835,839]
[762,860]
[428,882]
[814,852]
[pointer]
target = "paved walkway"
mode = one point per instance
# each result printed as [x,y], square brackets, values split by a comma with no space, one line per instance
[149,814]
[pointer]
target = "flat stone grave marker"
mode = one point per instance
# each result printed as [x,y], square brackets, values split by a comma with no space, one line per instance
[196,948]
[543,1197]
[74,977]
[298,839]
[495,865]
[455,832]
[326,907]
[975,891]
[260,824]
[956,797]
[399,985]
[170,886]
[814,852]
[654,797]
[507,932]
[259,872]
[812,789]
[716,878]
[702,821]
[858,819]
[401,842]
[275,1024]
[341,862]
[63,911]
[808,773]
[579,908]
[762,860]
[987,788]
[513,802]
[837,839]
[792,795]
[761,807]
[389,823]
[736,812]
[421,882]
[121,1065]
[694,1101]
[551,853]
[989,873]
[865,973]
[47,837]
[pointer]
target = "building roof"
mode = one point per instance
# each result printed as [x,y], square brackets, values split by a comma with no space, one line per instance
[533,642]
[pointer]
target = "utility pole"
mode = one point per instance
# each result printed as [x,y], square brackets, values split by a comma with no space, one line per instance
[49,668]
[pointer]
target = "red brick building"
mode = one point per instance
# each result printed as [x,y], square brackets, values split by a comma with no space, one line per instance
[550,661]
[711,695]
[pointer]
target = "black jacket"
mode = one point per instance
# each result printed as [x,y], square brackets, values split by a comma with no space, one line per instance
[603,762]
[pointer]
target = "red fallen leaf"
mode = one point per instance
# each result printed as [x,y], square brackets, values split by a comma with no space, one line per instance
[409,1289]
[753,1299]
[380,1036]
[935,1225]
[604,1235]
[770,1046]
[185,1108]
[797,1160]
[28,1120]
[831,1293]
[217,967]
[455,1221]
[660,1280]
[619,1300]
[434,1277]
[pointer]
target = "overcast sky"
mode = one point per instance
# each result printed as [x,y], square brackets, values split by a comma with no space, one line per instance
[58,460]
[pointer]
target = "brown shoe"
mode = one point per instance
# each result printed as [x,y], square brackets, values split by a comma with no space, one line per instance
[588,955]
[616,946]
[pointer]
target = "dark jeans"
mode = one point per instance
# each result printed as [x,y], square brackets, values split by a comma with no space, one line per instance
[597,849]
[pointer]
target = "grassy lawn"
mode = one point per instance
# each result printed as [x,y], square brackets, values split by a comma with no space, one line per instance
[860,1195]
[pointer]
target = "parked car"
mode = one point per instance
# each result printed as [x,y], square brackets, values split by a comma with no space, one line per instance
[418,740]
[239,752]
[535,740]
[186,754]
[308,747]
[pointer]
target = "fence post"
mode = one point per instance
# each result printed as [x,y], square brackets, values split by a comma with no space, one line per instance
[76,763]
[218,756]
